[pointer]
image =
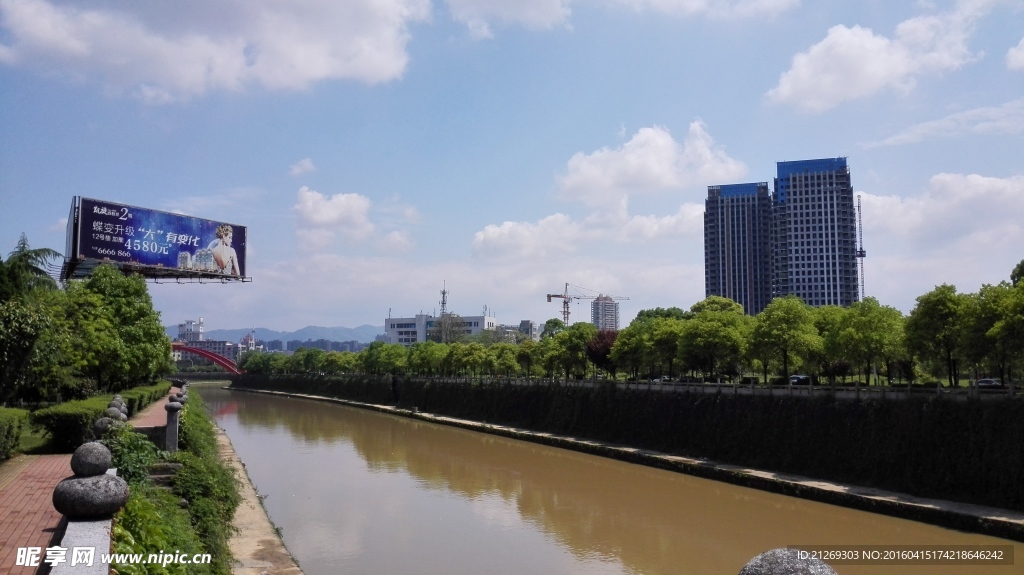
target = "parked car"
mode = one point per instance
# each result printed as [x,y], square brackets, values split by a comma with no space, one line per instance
[800,380]
[988,383]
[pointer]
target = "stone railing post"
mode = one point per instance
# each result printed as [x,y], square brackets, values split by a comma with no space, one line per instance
[171,439]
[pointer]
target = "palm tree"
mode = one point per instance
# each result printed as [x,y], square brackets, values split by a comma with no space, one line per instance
[25,270]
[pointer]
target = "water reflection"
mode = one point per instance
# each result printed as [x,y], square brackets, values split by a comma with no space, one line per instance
[369,492]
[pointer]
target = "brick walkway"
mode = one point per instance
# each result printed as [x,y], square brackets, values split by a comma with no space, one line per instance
[27,516]
[154,414]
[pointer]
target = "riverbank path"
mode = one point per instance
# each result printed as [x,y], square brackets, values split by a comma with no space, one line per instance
[27,516]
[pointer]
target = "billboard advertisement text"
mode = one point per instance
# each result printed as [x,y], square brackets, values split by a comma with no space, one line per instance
[151,238]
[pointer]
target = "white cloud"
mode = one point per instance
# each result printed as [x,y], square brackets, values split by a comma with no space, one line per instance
[314,239]
[650,161]
[954,209]
[604,180]
[961,229]
[1005,119]
[303,166]
[555,235]
[168,51]
[347,214]
[221,204]
[478,15]
[1015,56]
[396,241]
[58,226]
[852,63]
[714,8]
[689,220]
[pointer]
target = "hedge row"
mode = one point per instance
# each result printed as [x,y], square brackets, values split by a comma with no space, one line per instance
[156,519]
[70,424]
[11,422]
[970,451]
[207,483]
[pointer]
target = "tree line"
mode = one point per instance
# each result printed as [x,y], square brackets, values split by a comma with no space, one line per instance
[69,341]
[948,336]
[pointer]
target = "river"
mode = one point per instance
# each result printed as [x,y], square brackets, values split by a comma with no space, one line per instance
[359,492]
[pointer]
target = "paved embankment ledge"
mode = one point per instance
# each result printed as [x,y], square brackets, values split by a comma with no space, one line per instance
[974,518]
[256,547]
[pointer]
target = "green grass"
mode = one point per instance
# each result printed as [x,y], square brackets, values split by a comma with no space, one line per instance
[35,441]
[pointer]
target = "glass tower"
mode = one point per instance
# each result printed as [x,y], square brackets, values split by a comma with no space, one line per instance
[738,244]
[815,232]
[800,240]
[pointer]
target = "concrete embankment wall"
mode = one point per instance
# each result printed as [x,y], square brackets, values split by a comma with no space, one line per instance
[962,451]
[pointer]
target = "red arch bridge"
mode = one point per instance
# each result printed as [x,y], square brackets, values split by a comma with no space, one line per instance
[220,360]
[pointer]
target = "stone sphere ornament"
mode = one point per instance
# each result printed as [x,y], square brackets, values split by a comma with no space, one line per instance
[90,459]
[785,562]
[91,493]
[99,429]
[95,497]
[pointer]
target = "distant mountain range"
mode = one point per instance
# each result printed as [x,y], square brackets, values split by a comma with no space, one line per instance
[363,333]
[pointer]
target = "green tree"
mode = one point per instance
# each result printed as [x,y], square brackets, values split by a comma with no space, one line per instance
[427,357]
[370,358]
[549,353]
[551,328]
[255,362]
[20,329]
[646,315]
[25,270]
[665,337]
[1017,274]
[632,350]
[525,353]
[832,359]
[503,357]
[870,332]
[716,303]
[713,341]
[982,346]
[784,330]
[143,346]
[934,329]
[573,353]
[1008,331]
[394,358]
[339,362]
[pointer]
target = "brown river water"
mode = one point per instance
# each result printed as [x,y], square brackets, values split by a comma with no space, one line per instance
[358,492]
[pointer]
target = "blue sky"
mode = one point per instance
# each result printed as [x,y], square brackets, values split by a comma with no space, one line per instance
[377,148]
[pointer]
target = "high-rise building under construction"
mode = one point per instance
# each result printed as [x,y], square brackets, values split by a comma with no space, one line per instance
[802,240]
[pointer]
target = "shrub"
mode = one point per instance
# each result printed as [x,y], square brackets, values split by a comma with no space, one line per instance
[138,398]
[151,522]
[70,423]
[11,422]
[206,483]
[132,452]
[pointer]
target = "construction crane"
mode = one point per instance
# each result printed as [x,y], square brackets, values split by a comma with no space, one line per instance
[566,299]
[861,254]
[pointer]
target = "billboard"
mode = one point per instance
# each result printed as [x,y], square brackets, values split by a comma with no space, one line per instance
[153,243]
